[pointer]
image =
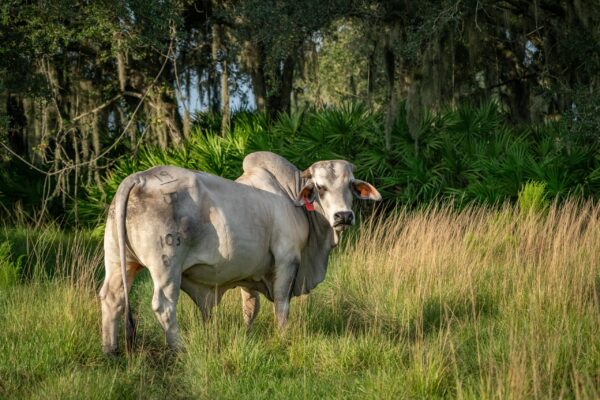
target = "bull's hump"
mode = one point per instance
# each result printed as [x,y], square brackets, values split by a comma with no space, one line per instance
[270,161]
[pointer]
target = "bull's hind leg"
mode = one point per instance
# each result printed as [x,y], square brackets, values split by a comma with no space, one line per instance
[112,297]
[167,282]
[250,306]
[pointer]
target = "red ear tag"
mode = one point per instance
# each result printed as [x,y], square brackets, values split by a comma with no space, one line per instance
[308,205]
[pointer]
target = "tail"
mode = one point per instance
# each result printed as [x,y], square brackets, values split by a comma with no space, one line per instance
[121,198]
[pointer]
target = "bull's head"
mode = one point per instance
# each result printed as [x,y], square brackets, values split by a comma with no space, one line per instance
[332,185]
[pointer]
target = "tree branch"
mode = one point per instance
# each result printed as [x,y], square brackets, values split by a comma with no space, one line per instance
[100,107]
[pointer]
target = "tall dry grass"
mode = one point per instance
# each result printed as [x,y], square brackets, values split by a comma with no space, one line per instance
[478,303]
[514,295]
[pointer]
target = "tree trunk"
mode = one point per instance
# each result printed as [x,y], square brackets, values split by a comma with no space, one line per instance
[121,65]
[170,115]
[186,111]
[371,68]
[16,125]
[390,69]
[213,78]
[32,126]
[219,56]
[414,108]
[287,79]
[260,89]
[254,60]
[224,99]
[280,101]
[187,123]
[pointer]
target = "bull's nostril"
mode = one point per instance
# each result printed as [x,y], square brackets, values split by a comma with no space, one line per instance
[343,217]
[349,219]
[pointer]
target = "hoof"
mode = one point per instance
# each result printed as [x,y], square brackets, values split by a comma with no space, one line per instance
[111,352]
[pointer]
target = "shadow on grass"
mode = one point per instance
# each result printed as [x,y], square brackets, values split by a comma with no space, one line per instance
[40,253]
[434,315]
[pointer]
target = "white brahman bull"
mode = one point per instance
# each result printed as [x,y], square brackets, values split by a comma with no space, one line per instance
[269,232]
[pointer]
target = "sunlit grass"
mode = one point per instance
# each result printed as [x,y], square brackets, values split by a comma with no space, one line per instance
[474,304]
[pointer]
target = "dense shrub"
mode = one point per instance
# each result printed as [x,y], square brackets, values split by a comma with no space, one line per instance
[466,154]
[20,185]
[9,270]
[532,198]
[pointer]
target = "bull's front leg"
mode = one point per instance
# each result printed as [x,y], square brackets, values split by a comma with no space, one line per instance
[282,290]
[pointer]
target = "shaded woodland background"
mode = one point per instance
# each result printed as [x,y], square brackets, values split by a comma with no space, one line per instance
[436,98]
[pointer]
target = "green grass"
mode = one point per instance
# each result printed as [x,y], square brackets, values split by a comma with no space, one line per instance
[426,304]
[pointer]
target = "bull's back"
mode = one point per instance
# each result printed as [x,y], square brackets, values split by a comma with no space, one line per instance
[217,228]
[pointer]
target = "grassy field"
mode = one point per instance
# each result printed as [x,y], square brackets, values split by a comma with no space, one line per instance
[428,304]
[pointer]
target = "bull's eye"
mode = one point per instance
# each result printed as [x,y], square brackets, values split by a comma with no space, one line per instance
[320,188]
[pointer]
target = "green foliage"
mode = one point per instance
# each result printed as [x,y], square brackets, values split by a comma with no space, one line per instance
[470,154]
[532,198]
[9,270]
[86,31]
[20,185]
[49,253]
[582,120]
[466,154]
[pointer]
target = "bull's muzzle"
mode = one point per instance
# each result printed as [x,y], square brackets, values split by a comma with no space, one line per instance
[343,219]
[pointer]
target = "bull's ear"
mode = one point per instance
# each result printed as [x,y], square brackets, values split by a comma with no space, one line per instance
[364,190]
[308,192]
